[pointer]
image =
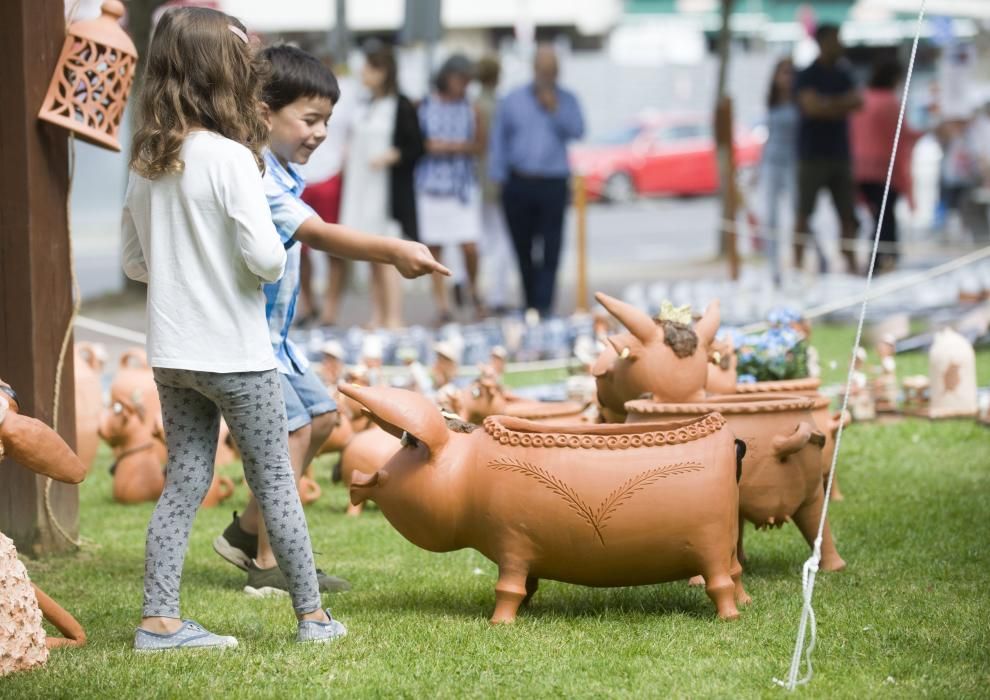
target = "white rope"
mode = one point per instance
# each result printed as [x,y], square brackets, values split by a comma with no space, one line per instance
[883,290]
[807,627]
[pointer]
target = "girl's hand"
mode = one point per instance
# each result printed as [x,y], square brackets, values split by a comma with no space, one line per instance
[414,259]
[386,159]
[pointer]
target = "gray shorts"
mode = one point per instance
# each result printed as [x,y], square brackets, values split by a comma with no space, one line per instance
[835,175]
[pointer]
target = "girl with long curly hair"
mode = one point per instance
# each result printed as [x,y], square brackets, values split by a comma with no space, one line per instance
[198,231]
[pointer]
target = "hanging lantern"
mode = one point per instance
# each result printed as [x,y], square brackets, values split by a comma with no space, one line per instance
[88,92]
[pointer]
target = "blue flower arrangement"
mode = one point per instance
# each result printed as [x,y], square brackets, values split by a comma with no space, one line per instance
[780,352]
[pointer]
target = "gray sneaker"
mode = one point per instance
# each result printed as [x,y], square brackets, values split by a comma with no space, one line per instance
[190,636]
[262,583]
[312,631]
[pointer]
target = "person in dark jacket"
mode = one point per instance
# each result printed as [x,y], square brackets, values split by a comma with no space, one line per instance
[385,144]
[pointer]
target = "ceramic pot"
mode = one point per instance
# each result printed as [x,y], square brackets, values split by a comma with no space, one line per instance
[827,421]
[596,505]
[89,400]
[781,470]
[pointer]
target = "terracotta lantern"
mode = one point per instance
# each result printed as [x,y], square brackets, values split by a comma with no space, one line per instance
[88,92]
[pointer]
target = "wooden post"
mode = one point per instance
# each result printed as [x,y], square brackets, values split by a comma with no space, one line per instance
[581,214]
[725,152]
[35,287]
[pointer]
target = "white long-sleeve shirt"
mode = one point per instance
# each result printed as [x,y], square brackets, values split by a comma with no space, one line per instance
[204,242]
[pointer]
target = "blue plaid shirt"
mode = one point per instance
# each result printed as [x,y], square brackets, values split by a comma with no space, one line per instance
[283,187]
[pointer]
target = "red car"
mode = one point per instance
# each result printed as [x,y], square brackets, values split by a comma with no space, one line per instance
[658,154]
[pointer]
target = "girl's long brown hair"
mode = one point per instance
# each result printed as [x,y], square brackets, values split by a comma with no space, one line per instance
[198,74]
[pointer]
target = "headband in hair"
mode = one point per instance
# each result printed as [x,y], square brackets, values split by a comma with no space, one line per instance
[238,33]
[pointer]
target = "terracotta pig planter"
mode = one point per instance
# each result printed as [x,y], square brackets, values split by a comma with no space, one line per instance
[135,383]
[665,360]
[89,400]
[595,505]
[827,421]
[722,363]
[781,470]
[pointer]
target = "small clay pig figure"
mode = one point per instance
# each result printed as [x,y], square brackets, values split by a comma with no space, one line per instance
[664,358]
[595,505]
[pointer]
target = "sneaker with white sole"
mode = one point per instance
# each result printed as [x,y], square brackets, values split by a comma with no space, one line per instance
[190,635]
[262,583]
[313,631]
[235,545]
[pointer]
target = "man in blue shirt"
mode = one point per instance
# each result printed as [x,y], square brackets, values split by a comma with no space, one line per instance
[826,96]
[528,158]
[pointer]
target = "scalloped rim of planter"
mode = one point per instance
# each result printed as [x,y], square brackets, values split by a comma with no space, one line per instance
[782,386]
[728,404]
[516,431]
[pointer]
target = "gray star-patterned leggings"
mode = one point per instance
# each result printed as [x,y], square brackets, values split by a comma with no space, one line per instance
[252,404]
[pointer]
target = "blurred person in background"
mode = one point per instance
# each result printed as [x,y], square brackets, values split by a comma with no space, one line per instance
[959,174]
[528,159]
[496,246]
[778,168]
[448,198]
[323,174]
[826,95]
[872,131]
[384,145]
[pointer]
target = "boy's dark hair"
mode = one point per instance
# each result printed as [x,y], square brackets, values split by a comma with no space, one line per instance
[294,74]
[826,30]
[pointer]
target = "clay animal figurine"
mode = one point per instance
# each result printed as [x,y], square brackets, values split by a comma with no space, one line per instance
[475,402]
[89,360]
[138,468]
[37,447]
[885,383]
[135,383]
[781,477]
[595,505]
[952,372]
[665,358]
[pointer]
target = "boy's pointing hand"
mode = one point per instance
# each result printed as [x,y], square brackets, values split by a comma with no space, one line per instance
[414,259]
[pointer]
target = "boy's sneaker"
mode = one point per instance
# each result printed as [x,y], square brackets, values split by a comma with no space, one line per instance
[190,636]
[312,631]
[266,582]
[236,546]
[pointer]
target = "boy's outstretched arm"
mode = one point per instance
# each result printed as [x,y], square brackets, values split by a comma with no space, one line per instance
[411,259]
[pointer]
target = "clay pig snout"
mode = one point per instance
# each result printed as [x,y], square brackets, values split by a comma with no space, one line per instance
[362,484]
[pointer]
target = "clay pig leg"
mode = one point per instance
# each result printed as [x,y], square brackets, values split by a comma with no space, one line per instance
[510,591]
[807,519]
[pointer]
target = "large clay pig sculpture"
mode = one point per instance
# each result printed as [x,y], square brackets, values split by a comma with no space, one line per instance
[596,505]
[668,361]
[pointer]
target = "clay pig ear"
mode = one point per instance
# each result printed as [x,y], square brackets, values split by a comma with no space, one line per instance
[400,411]
[623,348]
[707,326]
[637,322]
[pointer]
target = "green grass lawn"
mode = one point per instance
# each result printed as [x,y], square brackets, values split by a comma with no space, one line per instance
[909,617]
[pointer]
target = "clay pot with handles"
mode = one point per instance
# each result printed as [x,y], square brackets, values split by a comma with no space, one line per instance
[780,478]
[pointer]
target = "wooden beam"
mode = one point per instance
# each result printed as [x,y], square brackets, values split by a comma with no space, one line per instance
[35,287]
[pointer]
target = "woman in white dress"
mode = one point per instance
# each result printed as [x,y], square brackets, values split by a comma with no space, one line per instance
[384,146]
[448,198]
